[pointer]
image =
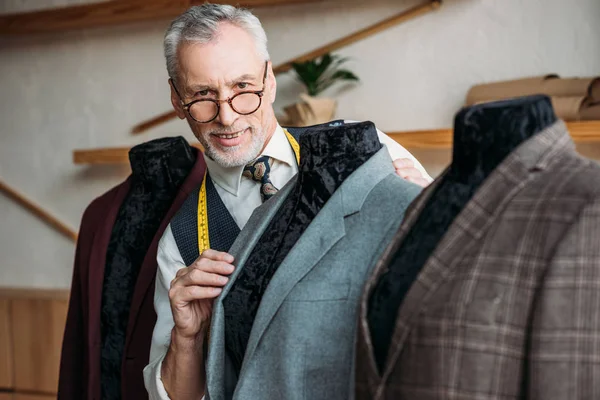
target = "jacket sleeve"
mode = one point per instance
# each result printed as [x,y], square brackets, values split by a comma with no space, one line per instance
[564,342]
[169,262]
[72,377]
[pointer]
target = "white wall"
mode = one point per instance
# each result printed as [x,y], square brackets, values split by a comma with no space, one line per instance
[87,89]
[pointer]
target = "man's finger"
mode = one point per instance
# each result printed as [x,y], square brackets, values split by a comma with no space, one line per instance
[419,181]
[203,278]
[217,267]
[192,293]
[181,272]
[409,173]
[216,256]
[403,163]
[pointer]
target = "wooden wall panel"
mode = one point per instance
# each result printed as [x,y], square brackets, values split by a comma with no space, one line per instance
[37,331]
[6,396]
[6,358]
[18,396]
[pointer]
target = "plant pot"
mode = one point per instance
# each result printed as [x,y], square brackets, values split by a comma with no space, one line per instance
[310,111]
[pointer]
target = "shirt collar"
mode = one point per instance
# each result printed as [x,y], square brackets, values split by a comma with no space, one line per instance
[230,178]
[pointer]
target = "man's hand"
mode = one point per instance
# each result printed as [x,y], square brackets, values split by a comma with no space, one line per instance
[405,168]
[193,290]
[191,297]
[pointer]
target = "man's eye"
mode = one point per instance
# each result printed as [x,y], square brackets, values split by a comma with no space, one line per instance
[202,93]
[242,85]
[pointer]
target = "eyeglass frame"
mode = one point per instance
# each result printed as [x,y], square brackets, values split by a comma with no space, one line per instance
[228,100]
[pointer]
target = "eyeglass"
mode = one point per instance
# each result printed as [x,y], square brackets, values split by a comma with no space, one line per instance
[243,103]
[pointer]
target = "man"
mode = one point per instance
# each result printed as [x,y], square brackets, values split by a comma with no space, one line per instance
[222,82]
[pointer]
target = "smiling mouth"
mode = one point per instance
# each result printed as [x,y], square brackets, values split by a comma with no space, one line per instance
[229,135]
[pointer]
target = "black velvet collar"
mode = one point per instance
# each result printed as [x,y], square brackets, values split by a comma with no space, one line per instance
[328,146]
[162,162]
[485,134]
[328,155]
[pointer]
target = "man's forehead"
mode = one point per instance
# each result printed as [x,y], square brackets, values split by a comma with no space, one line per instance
[205,63]
[215,76]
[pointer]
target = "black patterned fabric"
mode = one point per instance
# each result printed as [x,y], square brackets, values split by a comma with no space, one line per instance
[483,136]
[328,155]
[159,167]
[297,131]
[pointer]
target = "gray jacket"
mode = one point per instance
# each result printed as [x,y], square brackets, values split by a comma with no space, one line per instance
[301,344]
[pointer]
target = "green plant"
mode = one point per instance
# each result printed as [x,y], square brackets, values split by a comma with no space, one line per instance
[320,73]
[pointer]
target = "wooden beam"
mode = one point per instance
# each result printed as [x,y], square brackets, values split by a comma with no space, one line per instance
[581,131]
[110,13]
[38,211]
[387,23]
[362,34]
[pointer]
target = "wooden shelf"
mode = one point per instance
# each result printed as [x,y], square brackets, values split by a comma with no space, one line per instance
[107,155]
[111,13]
[582,132]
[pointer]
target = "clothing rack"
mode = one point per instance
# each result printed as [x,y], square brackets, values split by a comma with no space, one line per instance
[387,23]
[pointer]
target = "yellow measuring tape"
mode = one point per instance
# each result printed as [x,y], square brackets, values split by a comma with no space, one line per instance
[294,144]
[203,239]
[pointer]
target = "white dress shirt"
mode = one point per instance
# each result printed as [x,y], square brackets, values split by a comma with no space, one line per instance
[241,196]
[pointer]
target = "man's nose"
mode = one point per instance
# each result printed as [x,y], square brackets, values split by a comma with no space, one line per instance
[226,114]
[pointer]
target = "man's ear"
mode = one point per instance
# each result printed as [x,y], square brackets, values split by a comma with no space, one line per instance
[176,101]
[271,83]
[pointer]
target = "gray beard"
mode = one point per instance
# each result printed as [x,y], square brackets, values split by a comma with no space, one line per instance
[229,160]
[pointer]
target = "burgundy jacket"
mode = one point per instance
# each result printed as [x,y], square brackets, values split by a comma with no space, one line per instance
[80,360]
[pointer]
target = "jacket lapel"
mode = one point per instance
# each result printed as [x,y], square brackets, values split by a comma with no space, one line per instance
[148,268]
[240,250]
[322,234]
[508,179]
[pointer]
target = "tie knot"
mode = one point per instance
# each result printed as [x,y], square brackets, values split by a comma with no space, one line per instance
[259,170]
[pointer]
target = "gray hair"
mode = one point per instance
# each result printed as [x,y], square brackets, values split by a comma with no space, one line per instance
[200,24]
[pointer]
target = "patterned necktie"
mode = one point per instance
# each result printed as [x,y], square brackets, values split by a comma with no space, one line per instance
[260,171]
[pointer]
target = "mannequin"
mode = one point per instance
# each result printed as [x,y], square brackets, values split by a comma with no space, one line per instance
[483,136]
[159,168]
[328,156]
